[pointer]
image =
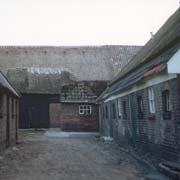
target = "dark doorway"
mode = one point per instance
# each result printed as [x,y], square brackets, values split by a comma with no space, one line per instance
[35,110]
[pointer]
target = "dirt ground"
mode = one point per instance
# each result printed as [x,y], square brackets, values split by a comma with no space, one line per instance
[37,157]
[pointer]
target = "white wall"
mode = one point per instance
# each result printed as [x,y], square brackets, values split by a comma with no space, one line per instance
[174,63]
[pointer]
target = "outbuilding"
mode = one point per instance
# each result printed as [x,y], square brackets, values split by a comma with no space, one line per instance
[59,85]
[142,105]
[9,113]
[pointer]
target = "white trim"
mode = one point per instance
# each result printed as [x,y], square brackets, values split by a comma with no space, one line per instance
[84,109]
[153,81]
[151,100]
[173,64]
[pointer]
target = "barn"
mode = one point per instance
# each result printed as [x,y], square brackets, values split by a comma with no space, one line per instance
[59,85]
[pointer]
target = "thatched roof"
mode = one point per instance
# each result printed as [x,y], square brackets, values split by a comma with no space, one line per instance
[84,63]
[166,37]
[6,84]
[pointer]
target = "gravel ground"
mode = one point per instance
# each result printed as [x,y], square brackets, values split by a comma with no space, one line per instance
[38,157]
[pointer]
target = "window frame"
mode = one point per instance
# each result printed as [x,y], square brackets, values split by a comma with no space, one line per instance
[140,107]
[83,109]
[113,106]
[140,104]
[124,109]
[166,101]
[106,112]
[166,104]
[119,108]
[151,101]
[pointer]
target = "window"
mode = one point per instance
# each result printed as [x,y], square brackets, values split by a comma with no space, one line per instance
[103,112]
[106,112]
[85,109]
[166,104]
[140,104]
[119,108]
[166,100]
[140,107]
[113,111]
[151,100]
[124,110]
[12,107]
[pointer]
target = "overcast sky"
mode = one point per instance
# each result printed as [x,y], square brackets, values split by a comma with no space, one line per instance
[82,22]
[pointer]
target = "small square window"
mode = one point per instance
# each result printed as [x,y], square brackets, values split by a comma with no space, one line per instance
[85,109]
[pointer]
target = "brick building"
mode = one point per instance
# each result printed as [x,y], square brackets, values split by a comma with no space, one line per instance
[142,104]
[9,113]
[59,85]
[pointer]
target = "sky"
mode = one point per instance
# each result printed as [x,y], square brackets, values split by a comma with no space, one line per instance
[82,22]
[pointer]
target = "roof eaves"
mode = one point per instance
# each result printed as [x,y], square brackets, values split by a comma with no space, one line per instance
[167,36]
[7,85]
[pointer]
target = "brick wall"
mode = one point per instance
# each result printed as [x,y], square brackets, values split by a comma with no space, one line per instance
[154,134]
[68,118]
[54,115]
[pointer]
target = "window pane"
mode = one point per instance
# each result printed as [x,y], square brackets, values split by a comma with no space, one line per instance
[151,100]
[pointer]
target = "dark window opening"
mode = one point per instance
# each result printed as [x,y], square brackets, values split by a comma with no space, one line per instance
[140,107]
[166,104]
[106,112]
[12,107]
[103,112]
[113,111]
[124,109]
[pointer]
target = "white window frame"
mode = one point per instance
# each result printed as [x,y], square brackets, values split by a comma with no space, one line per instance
[151,100]
[85,109]
[119,107]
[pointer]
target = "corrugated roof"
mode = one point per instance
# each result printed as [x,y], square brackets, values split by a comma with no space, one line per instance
[168,35]
[5,83]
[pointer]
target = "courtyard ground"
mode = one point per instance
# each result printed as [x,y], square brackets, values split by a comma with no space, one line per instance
[38,157]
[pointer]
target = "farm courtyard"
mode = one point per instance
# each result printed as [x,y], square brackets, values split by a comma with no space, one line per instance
[37,156]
